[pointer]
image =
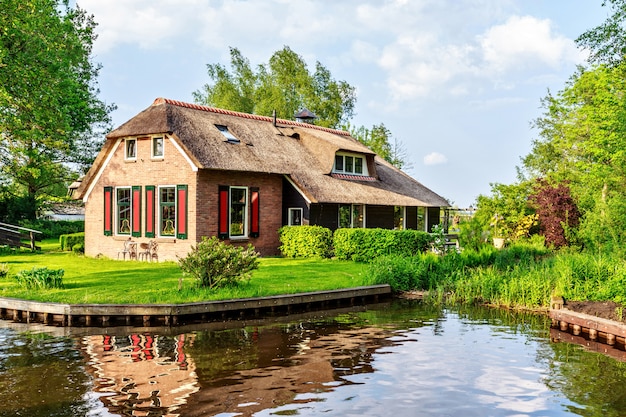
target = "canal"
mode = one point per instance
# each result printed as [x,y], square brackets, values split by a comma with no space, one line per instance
[399,358]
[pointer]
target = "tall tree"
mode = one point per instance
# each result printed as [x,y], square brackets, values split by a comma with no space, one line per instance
[284,85]
[607,41]
[50,115]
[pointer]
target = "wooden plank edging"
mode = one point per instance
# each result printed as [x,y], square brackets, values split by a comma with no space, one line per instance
[25,309]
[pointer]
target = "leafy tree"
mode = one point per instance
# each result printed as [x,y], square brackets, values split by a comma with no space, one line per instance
[49,111]
[607,41]
[380,140]
[284,85]
[557,212]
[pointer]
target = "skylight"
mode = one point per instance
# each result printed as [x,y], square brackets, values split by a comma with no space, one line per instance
[229,136]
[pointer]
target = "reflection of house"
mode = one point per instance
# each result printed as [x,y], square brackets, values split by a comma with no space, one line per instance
[141,374]
[177,172]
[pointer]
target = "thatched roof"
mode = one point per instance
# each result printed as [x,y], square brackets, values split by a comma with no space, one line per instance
[302,151]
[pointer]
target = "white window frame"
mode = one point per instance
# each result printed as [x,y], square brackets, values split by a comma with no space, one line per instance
[343,170]
[117,212]
[160,215]
[127,143]
[245,213]
[153,142]
[292,210]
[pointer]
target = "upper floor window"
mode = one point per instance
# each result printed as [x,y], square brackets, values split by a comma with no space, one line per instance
[350,164]
[130,149]
[157,147]
[230,138]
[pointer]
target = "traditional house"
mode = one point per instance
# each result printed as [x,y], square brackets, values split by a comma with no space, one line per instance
[177,172]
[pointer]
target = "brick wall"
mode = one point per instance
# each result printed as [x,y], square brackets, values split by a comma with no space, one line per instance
[174,169]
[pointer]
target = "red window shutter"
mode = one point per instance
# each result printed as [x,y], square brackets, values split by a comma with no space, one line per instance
[222,216]
[181,211]
[136,213]
[150,210]
[254,212]
[108,211]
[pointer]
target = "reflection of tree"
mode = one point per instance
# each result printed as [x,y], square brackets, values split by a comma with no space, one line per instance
[588,378]
[41,376]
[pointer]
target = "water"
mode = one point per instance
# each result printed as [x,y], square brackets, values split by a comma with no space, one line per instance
[396,359]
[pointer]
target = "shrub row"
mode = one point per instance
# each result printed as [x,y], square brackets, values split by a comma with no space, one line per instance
[54,228]
[73,242]
[350,244]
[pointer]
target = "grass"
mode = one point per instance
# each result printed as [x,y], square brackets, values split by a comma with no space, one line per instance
[102,281]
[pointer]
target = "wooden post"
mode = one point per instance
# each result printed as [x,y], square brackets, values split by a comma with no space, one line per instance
[146,321]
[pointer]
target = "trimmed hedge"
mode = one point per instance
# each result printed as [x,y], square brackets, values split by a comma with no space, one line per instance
[367,244]
[54,228]
[68,242]
[305,241]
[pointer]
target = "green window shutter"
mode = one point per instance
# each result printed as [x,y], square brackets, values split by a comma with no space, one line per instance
[181,211]
[136,213]
[108,211]
[150,210]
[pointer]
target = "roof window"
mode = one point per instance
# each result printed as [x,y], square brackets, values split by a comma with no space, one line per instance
[230,138]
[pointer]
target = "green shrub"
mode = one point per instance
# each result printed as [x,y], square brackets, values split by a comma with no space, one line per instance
[51,229]
[400,272]
[305,241]
[68,242]
[79,248]
[367,244]
[4,270]
[38,278]
[215,264]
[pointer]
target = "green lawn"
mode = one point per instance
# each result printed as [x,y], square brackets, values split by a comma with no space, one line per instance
[99,281]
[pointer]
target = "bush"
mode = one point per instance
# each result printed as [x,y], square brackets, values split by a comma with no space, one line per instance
[40,278]
[367,244]
[51,229]
[215,264]
[4,270]
[68,242]
[79,248]
[305,241]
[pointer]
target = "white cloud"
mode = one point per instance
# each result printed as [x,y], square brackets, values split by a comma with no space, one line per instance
[435,158]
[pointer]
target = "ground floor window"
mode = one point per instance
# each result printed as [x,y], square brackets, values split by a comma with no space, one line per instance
[351,215]
[167,211]
[238,211]
[399,217]
[124,218]
[421,218]
[295,217]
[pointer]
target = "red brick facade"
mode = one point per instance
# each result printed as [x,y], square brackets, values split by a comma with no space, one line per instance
[174,169]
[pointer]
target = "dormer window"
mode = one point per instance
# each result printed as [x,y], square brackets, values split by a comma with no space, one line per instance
[350,164]
[130,149]
[230,138]
[157,147]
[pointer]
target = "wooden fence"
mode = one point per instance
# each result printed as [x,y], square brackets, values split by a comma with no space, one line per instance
[19,237]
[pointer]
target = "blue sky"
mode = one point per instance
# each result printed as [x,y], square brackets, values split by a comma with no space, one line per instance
[457,82]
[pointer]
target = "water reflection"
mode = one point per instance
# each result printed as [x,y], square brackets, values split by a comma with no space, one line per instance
[400,359]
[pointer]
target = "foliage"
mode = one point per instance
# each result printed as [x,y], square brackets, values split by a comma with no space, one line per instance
[305,241]
[284,85]
[472,234]
[50,115]
[380,140]
[68,242]
[38,278]
[54,228]
[215,264]
[79,248]
[504,210]
[367,244]
[402,273]
[4,270]
[557,212]
[607,41]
